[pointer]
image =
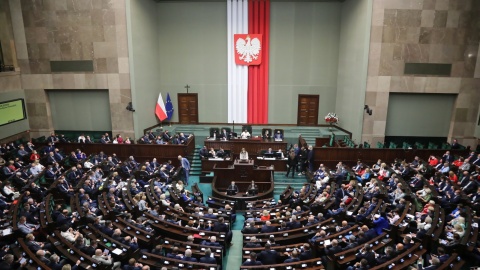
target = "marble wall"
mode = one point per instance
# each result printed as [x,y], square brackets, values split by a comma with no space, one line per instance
[6,33]
[73,30]
[423,31]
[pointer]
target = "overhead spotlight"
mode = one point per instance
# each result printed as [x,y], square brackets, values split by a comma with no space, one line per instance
[130,107]
[368,110]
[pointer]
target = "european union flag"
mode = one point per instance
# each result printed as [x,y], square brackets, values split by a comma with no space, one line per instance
[169,107]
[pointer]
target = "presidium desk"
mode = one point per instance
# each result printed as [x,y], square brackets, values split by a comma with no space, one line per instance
[242,174]
[254,147]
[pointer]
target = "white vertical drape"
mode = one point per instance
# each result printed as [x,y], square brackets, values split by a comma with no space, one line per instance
[237,17]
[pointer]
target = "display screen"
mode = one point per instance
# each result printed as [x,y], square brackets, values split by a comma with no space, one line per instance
[12,111]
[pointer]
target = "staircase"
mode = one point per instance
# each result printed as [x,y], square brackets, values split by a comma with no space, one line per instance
[281,182]
[196,162]
[308,134]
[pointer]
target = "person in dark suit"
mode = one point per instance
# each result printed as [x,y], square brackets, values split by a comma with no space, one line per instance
[305,253]
[442,256]
[417,182]
[351,243]
[213,242]
[251,229]
[223,135]
[369,233]
[291,163]
[471,186]
[268,228]
[65,219]
[203,152]
[294,223]
[385,257]
[174,254]
[232,188]
[337,211]
[165,136]
[252,189]
[366,253]
[252,243]
[188,256]
[207,258]
[55,262]
[268,256]
[221,227]
[475,199]
[293,257]
[447,157]
[333,249]
[252,260]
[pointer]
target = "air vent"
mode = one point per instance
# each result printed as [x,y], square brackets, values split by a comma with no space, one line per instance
[72,66]
[428,69]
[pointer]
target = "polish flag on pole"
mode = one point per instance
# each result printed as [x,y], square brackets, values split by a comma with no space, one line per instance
[160,110]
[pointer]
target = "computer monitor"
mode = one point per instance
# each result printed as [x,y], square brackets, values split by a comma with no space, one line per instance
[269,155]
[278,155]
[253,192]
[231,192]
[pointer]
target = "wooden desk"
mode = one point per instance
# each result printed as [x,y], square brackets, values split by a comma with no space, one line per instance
[253,146]
[242,174]
[141,152]
[278,164]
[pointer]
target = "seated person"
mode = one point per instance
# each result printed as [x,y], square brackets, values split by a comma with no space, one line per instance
[252,189]
[267,133]
[212,153]
[269,153]
[279,154]
[232,189]
[252,260]
[220,153]
[203,152]
[245,134]
[278,136]
[224,135]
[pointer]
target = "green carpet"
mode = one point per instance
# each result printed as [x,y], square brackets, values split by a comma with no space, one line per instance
[233,259]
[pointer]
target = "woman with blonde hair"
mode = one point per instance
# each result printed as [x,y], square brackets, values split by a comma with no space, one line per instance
[265,216]
[142,204]
[383,172]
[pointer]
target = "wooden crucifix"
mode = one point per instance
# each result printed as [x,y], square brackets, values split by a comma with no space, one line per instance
[187,86]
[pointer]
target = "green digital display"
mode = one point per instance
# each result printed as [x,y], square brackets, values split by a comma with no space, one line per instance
[12,111]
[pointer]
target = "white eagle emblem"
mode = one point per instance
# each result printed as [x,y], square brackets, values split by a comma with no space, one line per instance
[248,49]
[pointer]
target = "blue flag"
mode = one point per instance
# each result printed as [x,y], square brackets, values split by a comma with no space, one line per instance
[169,107]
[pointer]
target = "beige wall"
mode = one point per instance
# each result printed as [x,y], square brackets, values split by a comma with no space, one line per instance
[423,31]
[72,30]
[352,65]
[6,33]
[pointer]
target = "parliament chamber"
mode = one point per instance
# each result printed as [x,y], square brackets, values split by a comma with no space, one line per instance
[239,134]
[160,224]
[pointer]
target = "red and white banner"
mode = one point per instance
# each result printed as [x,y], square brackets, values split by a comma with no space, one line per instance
[248,41]
[160,110]
[248,49]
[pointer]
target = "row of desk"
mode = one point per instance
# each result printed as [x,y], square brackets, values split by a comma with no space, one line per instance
[253,145]
[209,163]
